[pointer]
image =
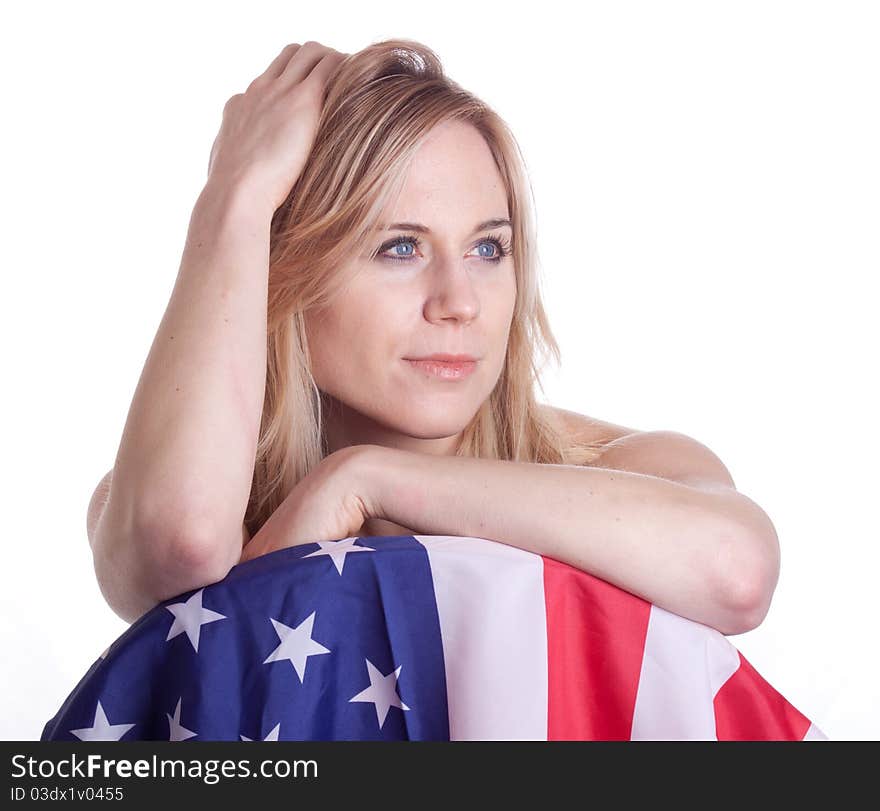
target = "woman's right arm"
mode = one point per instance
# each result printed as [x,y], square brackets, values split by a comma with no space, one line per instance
[173,518]
[182,478]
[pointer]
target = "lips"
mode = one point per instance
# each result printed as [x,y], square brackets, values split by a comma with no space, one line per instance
[445,358]
[443,369]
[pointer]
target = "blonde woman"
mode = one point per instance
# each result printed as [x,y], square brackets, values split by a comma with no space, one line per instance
[352,347]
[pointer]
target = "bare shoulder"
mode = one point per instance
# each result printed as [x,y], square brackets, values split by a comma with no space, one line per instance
[583,428]
[665,454]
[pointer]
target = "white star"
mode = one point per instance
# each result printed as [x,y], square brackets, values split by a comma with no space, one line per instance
[190,617]
[101,729]
[382,691]
[338,550]
[272,736]
[296,644]
[178,732]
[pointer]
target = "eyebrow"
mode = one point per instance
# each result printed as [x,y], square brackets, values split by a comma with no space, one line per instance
[496,222]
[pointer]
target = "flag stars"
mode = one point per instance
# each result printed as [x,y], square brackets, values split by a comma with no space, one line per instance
[101,728]
[178,732]
[382,692]
[338,550]
[190,617]
[272,736]
[296,644]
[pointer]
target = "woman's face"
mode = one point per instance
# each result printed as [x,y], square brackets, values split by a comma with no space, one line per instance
[443,294]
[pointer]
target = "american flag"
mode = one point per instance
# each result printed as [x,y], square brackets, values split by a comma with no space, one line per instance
[423,637]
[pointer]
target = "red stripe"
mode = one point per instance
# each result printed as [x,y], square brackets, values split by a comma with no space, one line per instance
[593,667]
[747,708]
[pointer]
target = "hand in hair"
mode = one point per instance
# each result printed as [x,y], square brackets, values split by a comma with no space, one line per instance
[268,131]
[331,503]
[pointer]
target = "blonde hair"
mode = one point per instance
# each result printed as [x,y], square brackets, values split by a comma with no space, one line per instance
[378,107]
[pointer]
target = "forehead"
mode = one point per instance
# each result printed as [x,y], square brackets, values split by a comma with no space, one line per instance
[452,175]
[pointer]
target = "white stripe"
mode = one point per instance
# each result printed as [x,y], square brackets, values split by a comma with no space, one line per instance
[685,663]
[493,620]
[815,734]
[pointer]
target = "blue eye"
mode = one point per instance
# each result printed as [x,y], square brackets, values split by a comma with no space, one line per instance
[402,242]
[502,248]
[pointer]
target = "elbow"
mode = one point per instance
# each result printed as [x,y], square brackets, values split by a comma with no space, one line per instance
[137,570]
[195,556]
[746,607]
[189,546]
[749,577]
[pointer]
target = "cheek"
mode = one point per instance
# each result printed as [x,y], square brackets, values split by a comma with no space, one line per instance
[504,305]
[511,293]
[357,333]
[328,342]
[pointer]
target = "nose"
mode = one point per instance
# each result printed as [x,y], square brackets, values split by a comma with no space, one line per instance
[452,293]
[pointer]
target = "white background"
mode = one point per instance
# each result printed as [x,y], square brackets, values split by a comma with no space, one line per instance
[706,177]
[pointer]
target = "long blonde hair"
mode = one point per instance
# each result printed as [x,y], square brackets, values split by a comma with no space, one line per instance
[378,107]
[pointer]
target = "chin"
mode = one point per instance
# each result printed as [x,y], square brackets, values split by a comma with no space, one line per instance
[425,425]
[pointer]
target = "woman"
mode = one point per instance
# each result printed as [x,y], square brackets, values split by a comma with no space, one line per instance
[362,213]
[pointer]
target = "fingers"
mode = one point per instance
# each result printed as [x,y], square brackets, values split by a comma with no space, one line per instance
[302,63]
[296,62]
[279,62]
[326,66]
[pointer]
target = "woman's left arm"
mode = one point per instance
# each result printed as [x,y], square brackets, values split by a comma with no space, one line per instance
[702,550]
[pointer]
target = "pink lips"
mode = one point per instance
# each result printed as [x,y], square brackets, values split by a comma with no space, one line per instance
[443,369]
[447,358]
